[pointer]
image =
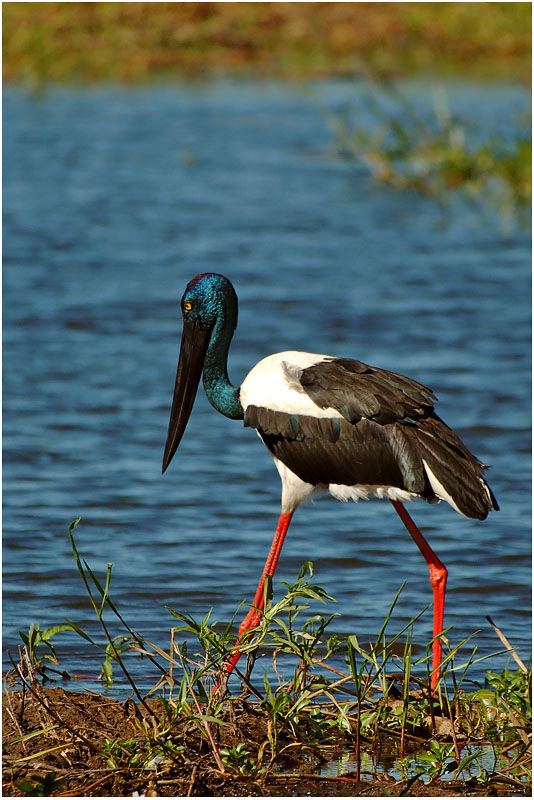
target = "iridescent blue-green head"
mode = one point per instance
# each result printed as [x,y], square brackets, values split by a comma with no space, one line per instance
[209,311]
[210,299]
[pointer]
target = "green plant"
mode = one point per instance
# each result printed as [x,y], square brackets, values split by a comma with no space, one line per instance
[143,751]
[36,641]
[439,759]
[323,727]
[238,758]
[432,763]
[514,687]
[436,153]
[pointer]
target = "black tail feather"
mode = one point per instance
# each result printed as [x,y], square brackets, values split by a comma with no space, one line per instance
[456,469]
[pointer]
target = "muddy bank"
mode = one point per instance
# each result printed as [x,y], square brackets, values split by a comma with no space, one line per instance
[63,743]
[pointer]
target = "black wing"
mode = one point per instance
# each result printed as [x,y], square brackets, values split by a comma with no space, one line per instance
[388,427]
[357,390]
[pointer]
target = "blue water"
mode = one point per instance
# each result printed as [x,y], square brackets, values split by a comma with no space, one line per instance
[113,200]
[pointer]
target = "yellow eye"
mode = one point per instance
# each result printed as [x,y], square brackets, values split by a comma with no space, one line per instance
[187,306]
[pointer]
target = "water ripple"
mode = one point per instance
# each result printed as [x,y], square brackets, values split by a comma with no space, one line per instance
[105,223]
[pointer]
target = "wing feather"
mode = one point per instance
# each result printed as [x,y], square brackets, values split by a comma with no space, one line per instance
[386,435]
[358,390]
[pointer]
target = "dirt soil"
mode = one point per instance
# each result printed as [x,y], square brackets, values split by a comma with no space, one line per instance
[68,755]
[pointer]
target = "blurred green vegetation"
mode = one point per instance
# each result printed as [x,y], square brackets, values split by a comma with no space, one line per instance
[433,152]
[136,42]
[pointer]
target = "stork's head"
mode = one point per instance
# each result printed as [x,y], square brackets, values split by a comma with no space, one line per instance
[209,298]
[209,310]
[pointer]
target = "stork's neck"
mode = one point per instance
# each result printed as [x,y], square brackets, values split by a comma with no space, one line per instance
[220,392]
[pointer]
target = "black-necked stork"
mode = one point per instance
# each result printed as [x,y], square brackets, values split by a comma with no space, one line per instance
[329,423]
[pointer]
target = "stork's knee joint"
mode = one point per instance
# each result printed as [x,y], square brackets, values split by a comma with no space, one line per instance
[252,619]
[438,576]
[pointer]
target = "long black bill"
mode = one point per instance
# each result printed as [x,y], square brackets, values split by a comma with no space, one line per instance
[190,362]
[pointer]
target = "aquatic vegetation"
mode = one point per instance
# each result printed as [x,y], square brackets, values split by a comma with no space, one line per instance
[433,152]
[379,710]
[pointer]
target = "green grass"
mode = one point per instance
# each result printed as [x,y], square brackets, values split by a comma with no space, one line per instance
[303,705]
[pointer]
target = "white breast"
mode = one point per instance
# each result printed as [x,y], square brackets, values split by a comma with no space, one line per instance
[274,383]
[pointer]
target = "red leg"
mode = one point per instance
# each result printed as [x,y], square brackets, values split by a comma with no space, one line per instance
[254,615]
[438,581]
